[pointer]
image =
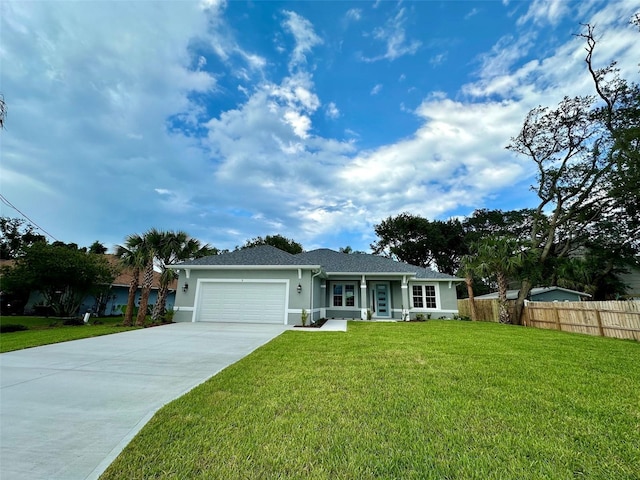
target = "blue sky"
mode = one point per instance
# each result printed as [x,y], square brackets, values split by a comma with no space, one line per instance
[314,120]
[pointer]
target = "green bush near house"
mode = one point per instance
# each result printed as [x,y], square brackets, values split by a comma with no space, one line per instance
[12,327]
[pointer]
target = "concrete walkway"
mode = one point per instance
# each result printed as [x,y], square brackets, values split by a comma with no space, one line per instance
[339,325]
[67,410]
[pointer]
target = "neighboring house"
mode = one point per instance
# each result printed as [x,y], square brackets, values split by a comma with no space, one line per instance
[543,294]
[267,285]
[114,300]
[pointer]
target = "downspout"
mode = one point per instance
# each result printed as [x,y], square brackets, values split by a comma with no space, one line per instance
[312,277]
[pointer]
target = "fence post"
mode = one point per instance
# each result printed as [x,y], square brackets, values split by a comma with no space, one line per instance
[600,329]
[557,315]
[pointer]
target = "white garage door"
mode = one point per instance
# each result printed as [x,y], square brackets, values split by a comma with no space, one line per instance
[245,302]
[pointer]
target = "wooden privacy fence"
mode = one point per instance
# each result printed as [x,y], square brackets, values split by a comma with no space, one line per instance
[608,319]
[487,310]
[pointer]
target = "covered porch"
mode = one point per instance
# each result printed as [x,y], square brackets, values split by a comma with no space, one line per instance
[366,297]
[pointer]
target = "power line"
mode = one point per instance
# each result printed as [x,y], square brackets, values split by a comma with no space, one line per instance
[9,204]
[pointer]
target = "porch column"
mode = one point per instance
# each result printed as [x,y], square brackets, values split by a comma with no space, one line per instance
[323,303]
[363,298]
[406,306]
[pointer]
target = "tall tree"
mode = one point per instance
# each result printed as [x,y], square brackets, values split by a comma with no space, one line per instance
[97,247]
[484,222]
[132,258]
[151,241]
[278,241]
[467,265]
[15,236]
[584,152]
[419,241]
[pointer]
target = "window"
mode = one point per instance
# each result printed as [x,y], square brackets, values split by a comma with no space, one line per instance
[344,295]
[424,296]
[417,296]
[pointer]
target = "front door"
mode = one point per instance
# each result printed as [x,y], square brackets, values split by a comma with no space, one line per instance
[381,300]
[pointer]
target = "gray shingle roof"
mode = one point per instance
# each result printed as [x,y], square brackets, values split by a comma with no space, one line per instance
[330,260]
[335,262]
[261,255]
[513,294]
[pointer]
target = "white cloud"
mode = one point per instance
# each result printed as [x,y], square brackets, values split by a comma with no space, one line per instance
[332,110]
[394,36]
[505,53]
[473,12]
[304,35]
[438,59]
[93,149]
[301,124]
[354,14]
[214,6]
[86,122]
[545,11]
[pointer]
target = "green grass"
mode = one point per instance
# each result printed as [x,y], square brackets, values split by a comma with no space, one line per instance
[44,331]
[435,400]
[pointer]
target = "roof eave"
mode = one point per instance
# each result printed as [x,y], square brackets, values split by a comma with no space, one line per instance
[399,274]
[244,267]
[381,274]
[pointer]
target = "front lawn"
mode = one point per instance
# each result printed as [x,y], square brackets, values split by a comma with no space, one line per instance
[47,330]
[435,400]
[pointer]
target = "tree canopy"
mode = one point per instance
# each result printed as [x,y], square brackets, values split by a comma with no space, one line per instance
[15,236]
[278,241]
[64,275]
[418,241]
[586,152]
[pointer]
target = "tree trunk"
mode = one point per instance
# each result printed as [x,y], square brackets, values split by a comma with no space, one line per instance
[502,294]
[146,290]
[525,289]
[131,299]
[468,279]
[159,307]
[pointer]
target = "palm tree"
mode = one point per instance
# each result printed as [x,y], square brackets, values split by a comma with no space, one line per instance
[468,265]
[131,256]
[173,247]
[151,242]
[500,257]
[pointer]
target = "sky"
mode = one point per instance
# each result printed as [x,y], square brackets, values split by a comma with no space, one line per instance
[314,120]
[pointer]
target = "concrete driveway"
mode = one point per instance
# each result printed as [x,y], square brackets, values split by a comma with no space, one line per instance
[67,410]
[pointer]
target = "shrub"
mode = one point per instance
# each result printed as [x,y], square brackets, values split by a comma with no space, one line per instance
[303,317]
[320,322]
[420,317]
[12,327]
[76,322]
[168,316]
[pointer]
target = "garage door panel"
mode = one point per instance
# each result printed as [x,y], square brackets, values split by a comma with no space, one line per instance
[242,302]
